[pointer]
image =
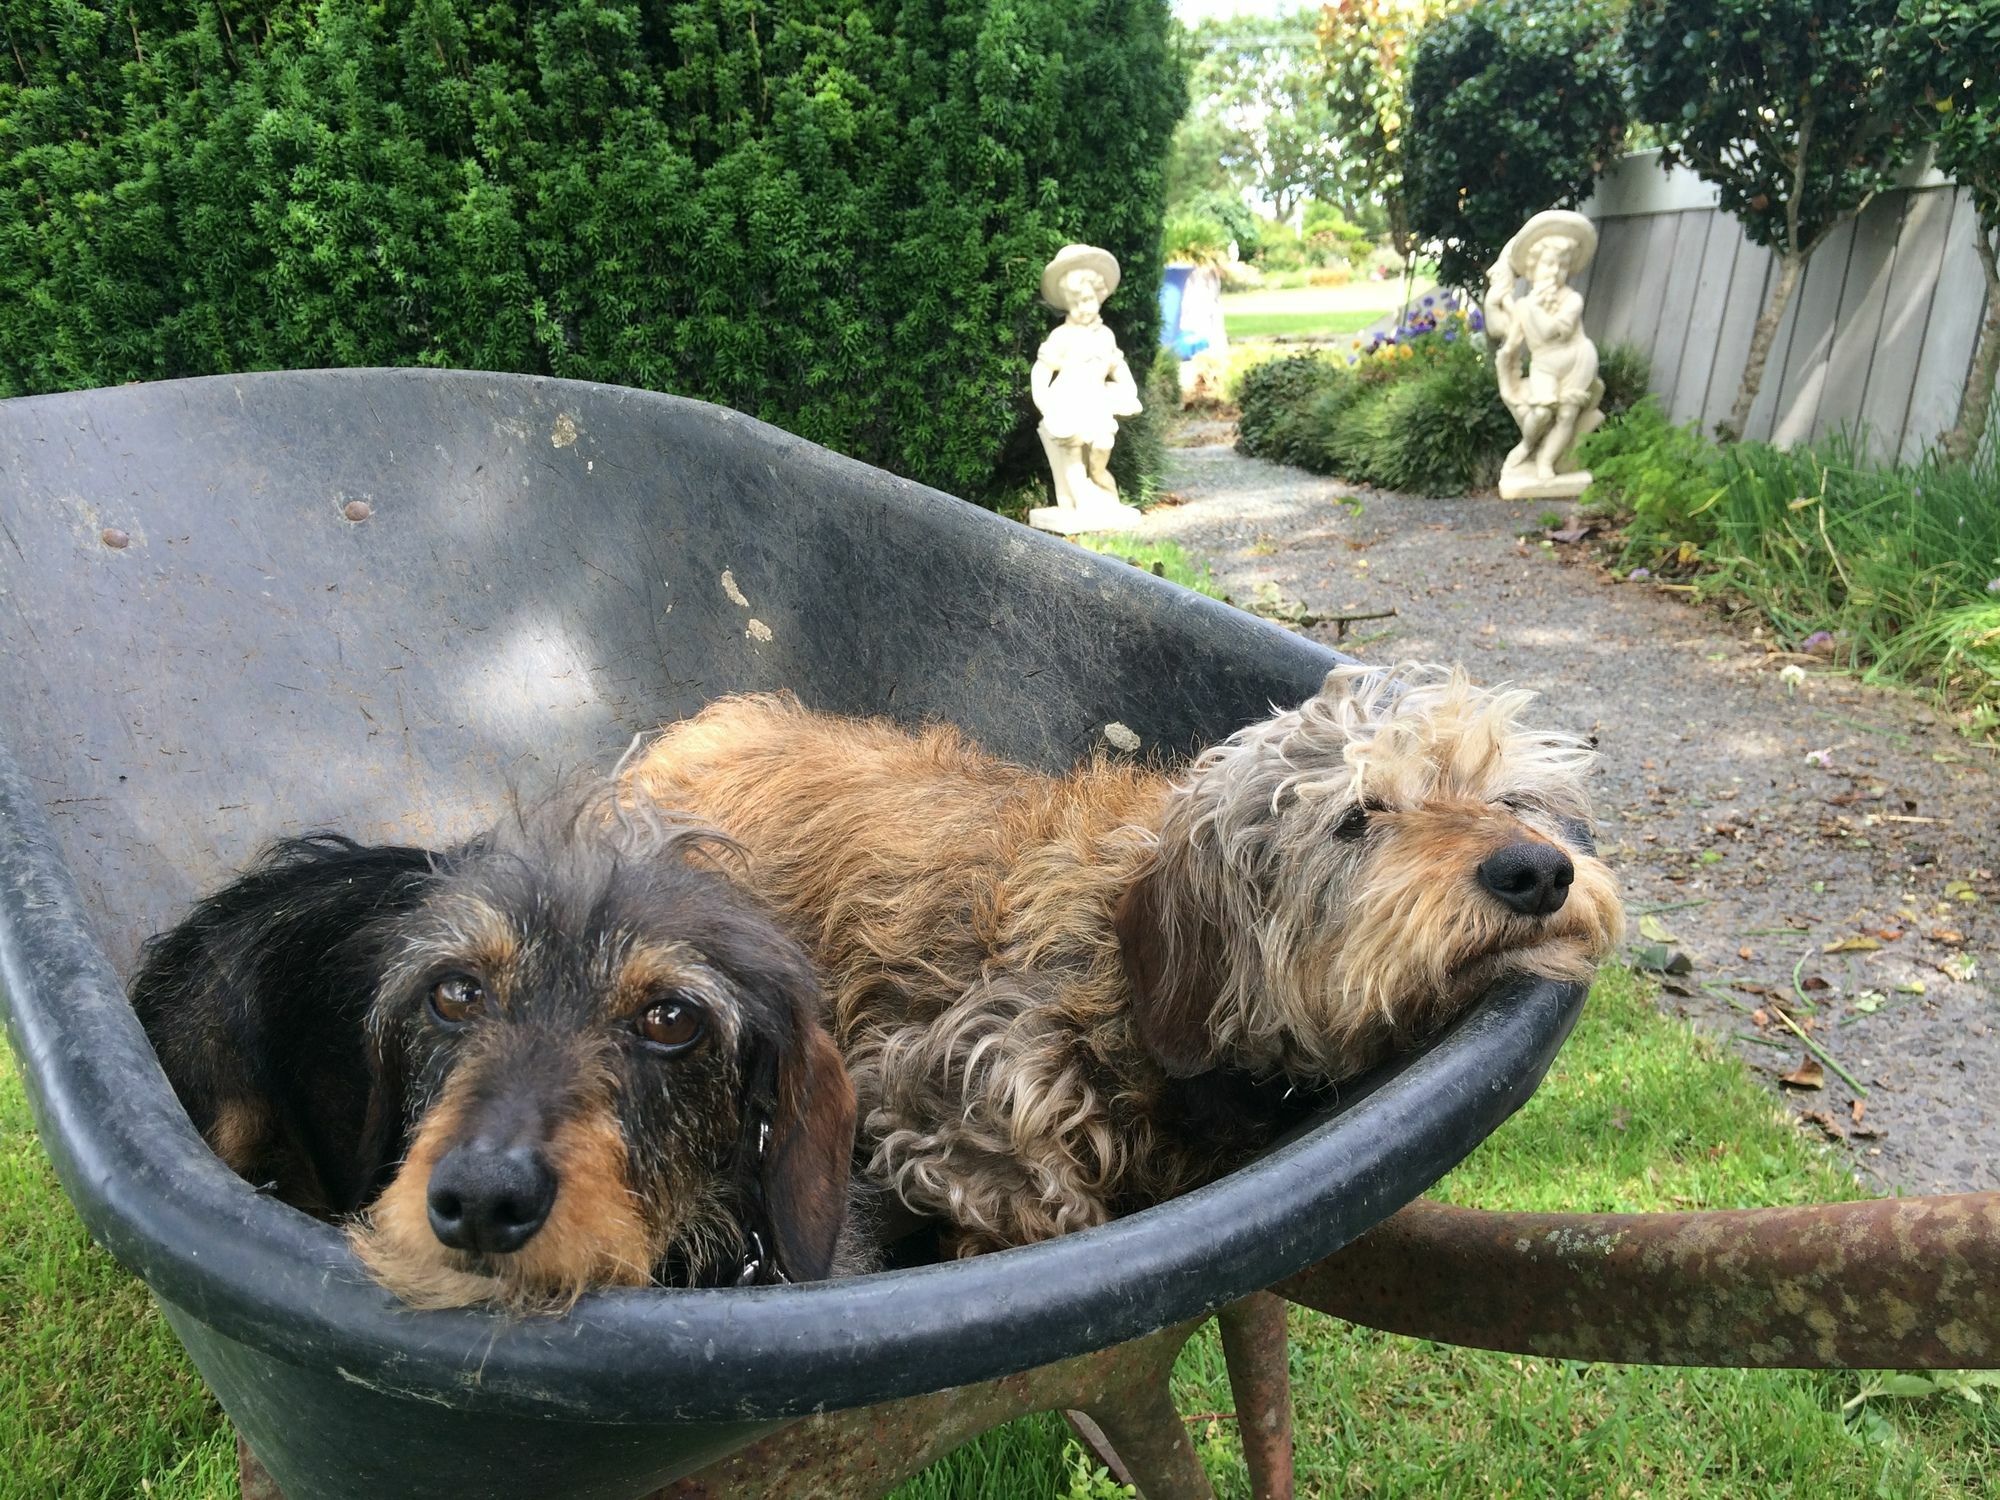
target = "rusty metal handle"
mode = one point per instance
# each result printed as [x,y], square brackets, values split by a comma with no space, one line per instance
[1892,1283]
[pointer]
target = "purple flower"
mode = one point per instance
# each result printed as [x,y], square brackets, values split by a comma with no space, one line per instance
[1638,573]
[1820,642]
[1450,337]
[1478,320]
[1429,300]
[1993,585]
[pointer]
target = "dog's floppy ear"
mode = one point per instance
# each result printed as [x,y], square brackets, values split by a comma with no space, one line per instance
[1174,965]
[258,1001]
[812,1146]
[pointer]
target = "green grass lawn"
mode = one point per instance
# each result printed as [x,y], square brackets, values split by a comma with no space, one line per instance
[1320,325]
[1636,1114]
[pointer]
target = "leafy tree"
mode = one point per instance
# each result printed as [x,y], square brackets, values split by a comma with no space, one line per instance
[1790,107]
[829,217]
[1258,100]
[1946,47]
[1364,48]
[1514,106]
[1330,232]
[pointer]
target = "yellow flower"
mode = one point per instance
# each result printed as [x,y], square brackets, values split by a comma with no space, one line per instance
[1408,351]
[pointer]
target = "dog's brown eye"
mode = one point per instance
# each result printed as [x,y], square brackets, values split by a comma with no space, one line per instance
[1354,825]
[455,997]
[672,1024]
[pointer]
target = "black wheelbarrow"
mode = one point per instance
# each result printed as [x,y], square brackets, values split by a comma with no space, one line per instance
[373,600]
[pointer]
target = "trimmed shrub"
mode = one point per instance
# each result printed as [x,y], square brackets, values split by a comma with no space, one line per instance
[1275,391]
[833,220]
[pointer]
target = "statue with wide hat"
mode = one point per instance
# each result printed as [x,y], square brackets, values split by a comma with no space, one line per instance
[1081,387]
[1546,363]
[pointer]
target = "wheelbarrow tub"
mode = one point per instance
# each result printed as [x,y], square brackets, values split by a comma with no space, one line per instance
[372,600]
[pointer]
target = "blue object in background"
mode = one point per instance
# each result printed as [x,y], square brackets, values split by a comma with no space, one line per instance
[1173,288]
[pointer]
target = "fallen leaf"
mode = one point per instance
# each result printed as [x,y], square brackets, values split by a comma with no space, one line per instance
[1857,1109]
[1911,987]
[1807,1075]
[1867,1003]
[1886,934]
[1746,953]
[1813,984]
[1859,944]
[1960,890]
[1658,958]
[1652,928]
[1949,935]
[1827,1125]
[1869,1132]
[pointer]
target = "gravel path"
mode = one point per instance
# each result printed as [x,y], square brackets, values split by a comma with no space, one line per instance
[1820,847]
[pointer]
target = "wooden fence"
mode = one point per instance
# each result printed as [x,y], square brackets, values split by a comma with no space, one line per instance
[1878,338]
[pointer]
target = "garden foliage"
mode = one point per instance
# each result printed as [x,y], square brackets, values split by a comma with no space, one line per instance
[1893,570]
[1417,410]
[1514,106]
[829,218]
[1365,50]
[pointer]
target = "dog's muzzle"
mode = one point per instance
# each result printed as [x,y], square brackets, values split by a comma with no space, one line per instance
[1528,877]
[490,1199]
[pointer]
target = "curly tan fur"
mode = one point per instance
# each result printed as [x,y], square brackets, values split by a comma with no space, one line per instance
[1021,966]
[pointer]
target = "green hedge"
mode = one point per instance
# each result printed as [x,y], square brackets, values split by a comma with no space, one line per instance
[831,218]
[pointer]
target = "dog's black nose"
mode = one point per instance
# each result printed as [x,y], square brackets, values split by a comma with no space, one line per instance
[1532,878]
[489,1198]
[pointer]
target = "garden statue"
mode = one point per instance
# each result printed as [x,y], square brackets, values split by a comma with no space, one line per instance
[1555,398]
[1081,387]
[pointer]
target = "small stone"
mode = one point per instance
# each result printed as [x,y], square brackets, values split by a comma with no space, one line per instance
[357,510]
[1121,737]
[115,539]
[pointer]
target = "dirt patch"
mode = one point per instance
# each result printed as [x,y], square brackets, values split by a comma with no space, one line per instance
[1819,850]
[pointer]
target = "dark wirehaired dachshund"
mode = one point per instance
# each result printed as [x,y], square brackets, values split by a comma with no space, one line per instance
[570,1053]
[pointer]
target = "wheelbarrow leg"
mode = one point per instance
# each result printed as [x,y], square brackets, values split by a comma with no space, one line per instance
[1259,1355]
[1145,1431]
[255,1479]
[855,1455]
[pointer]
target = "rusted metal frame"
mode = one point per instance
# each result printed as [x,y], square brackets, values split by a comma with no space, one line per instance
[1893,1283]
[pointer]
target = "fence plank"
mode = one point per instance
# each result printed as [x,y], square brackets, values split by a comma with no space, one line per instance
[1949,334]
[1748,287]
[1803,377]
[1721,242]
[1619,244]
[1899,345]
[1677,300]
[1857,325]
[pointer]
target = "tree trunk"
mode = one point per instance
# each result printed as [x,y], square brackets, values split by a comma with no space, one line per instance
[1963,441]
[1790,264]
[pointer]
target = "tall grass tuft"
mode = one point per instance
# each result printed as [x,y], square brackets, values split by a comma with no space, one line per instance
[1897,568]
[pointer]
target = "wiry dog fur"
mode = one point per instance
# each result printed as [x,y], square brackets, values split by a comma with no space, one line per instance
[1061,998]
[383,1029]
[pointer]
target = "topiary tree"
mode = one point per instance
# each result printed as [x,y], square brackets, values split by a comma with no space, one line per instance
[1515,106]
[1790,107]
[829,217]
[1364,48]
[1938,43]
